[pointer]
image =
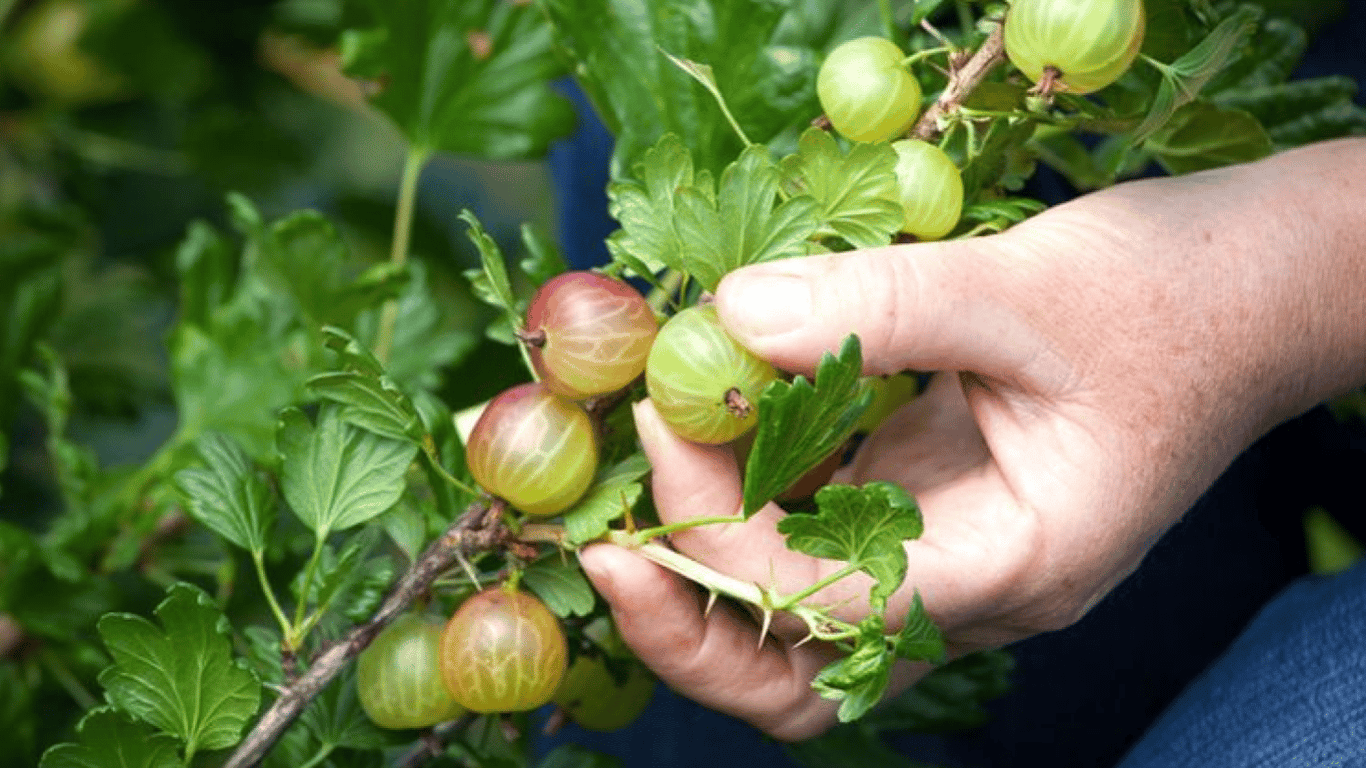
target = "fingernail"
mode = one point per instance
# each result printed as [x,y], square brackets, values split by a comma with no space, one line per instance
[757,303]
[597,572]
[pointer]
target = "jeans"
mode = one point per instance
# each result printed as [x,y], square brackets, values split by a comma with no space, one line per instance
[1290,691]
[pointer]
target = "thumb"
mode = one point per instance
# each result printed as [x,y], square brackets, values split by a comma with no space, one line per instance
[926,306]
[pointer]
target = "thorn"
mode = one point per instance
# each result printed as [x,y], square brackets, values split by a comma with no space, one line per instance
[711,603]
[809,637]
[763,629]
[468,568]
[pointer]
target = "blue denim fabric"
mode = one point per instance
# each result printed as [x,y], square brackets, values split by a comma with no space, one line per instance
[1291,691]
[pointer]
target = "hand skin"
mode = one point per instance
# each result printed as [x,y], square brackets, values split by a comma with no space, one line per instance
[1115,354]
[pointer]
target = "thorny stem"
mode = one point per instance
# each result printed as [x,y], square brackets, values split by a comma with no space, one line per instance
[477,530]
[398,254]
[962,81]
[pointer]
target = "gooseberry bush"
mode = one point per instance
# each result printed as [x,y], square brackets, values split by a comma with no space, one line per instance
[356,544]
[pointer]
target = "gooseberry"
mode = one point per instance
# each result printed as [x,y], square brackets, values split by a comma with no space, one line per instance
[398,676]
[588,334]
[534,449]
[1089,43]
[703,383]
[503,651]
[866,92]
[929,188]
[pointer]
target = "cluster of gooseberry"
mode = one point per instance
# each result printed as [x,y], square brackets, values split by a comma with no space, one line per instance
[868,95]
[536,447]
[589,335]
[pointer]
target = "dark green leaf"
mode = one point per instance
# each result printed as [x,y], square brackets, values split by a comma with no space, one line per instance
[800,424]
[543,260]
[613,492]
[180,677]
[919,639]
[1186,77]
[228,495]
[17,715]
[949,698]
[857,192]
[336,719]
[1202,135]
[465,76]
[560,584]
[866,527]
[848,745]
[109,740]
[617,50]
[336,475]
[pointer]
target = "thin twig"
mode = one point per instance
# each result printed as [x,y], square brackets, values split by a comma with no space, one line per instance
[433,743]
[477,530]
[962,81]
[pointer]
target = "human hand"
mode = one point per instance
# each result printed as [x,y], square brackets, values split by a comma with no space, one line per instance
[1115,353]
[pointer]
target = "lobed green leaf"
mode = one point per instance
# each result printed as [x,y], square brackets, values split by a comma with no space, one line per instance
[227,494]
[614,491]
[336,475]
[110,740]
[181,676]
[464,76]
[801,424]
[856,191]
[865,527]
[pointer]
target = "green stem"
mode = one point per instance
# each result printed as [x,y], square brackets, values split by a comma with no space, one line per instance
[398,254]
[645,534]
[925,54]
[258,558]
[319,756]
[294,637]
[965,21]
[68,681]
[429,450]
[792,600]
[884,10]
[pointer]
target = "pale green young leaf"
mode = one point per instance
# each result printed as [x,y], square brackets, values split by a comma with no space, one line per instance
[858,681]
[110,740]
[865,527]
[180,676]
[856,191]
[646,208]
[801,424]
[228,494]
[336,475]
[614,491]
[560,584]
[491,283]
[741,225]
